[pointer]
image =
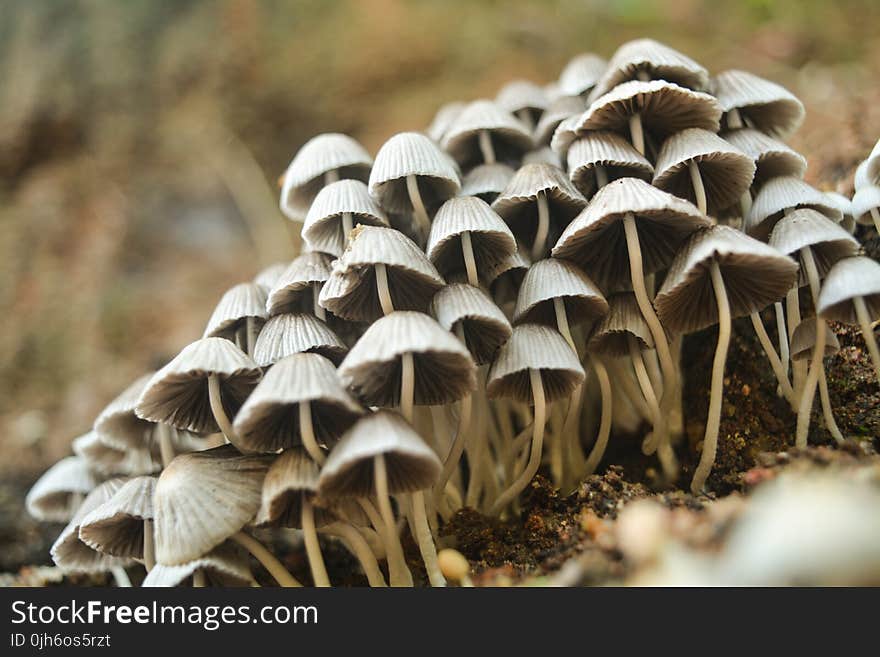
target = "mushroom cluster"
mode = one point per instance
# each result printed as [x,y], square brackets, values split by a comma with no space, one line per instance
[499,292]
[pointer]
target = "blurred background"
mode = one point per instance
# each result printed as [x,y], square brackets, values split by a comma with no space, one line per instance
[141,141]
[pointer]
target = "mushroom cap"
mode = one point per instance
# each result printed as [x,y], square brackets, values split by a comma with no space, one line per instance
[323,231]
[486,181]
[726,171]
[657,60]
[304,176]
[269,419]
[410,463]
[755,275]
[111,459]
[412,154]
[203,498]
[178,393]
[764,105]
[291,479]
[848,279]
[491,239]
[116,527]
[581,74]
[510,136]
[803,339]
[118,424]
[872,165]
[772,158]
[534,347]
[842,203]
[780,194]
[351,292]
[860,177]
[225,565]
[519,95]
[565,134]
[610,151]
[484,326]
[551,279]
[596,241]
[444,370]
[556,112]
[664,107]
[267,276]
[543,155]
[865,199]
[624,319]
[444,117]
[58,492]
[292,292]
[828,241]
[238,304]
[287,334]
[513,267]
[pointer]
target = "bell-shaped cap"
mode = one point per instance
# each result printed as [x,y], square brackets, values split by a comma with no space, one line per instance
[772,158]
[565,135]
[118,424]
[178,393]
[828,241]
[864,200]
[444,370]
[725,170]
[349,471]
[111,459]
[860,177]
[755,275]
[848,279]
[511,269]
[596,241]
[510,136]
[60,490]
[844,204]
[486,181]
[556,112]
[238,304]
[534,347]
[465,308]
[225,565]
[269,419]
[581,74]
[781,194]
[763,105]
[610,151]
[117,526]
[203,498]
[351,292]
[267,276]
[803,339]
[323,228]
[522,95]
[872,165]
[624,319]
[291,479]
[292,292]
[550,279]
[287,334]
[444,117]
[330,153]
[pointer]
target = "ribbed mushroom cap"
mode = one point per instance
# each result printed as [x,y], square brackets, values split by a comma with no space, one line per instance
[291,478]
[581,74]
[266,277]
[323,230]
[484,326]
[865,200]
[117,526]
[512,269]
[57,494]
[848,279]
[860,177]
[510,136]
[111,459]
[872,165]
[518,203]
[269,419]
[556,112]
[444,370]
[772,158]
[565,134]
[803,339]
[726,171]
[624,319]
[518,95]
[755,275]
[664,107]
[292,292]
[828,241]
[119,425]
[491,239]
[762,104]
[178,393]
[69,553]
[610,151]
[238,303]
[203,498]
[534,347]
[304,177]
[657,61]
[287,334]
[551,279]
[225,565]
[444,117]
[350,292]
[543,155]
[596,241]
[411,154]
[781,194]
[486,181]
[842,203]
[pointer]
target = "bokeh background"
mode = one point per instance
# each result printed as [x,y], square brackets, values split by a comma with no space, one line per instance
[140,143]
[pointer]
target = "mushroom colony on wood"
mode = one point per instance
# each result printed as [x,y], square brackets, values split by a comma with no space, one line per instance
[507,290]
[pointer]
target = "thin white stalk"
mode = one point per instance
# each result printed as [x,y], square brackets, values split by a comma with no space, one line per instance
[423,221]
[251,333]
[313,546]
[875,215]
[425,540]
[307,433]
[486,149]
[775,362]
[809,391]
[149,546]
[317,309]
[524,116]
[199,579]
[636,133]
[359,547]
[347,227]
[629,388]
[217,409]
[398,572]
[782,333]
[570,427]
[867,333]
[745,204]
[734,120]
[331,176]
[601,443]
[266,559]
[166,447]
[470,263]
[455,452]
[793,318]
[699,188]
[540,245]
[407,386]
[383,289]
[827,411]
[121,577]
[601,176]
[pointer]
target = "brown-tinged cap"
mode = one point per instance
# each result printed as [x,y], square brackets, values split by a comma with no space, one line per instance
[519,95]
[556,112]
[225,565]
[781,194]
[323,228]
[864,200]
[581,74]
[288,334]
[116,527]
[292,478]
[238,304]
[444,117]
[761,104]
[551,279]
[292,292]
[486,181]
[111,459]
[848,279]
[57,494]
[484,326]
[610,151]
[624,319]
[510,136]
[828,241]
[118,424]
[803,339]
[772,157]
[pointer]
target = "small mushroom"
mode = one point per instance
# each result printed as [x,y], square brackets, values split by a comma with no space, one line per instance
[599,157]
[581,74]
[524,99]
[807,345]
[565,135]
[60,491]
[336,210]
[118,423]
[843,204]
[241,309]
[298,289]
[781,195]
[486,181]
[225,565]
[866,206]
[266,277]
[287,334]
[484,133]
[557,111]
[749,100]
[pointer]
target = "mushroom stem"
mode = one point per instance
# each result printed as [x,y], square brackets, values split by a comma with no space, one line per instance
[251,333]
[359,547]
[570,425]
[426,540]
[827,412]
[637,134]
[455,452]
[199,580]
[166,447]
[867,332]
[266,559]
[331,176]
[524,116]
[598,450]
[782,333]
[347,226]
[745,204]
[875,215]
[383,289]
[601,176]
[149,546]
[470,263]
[121,577]
[697,184]
[398,572]
[809,391]
[407,386]
[415,198]
[307,433]
[484,139]
[775,362]
[543,230]
[313,547]
[793,318]
[537,443]
[217,408]
[713,420]
[317,309]
[734,120]
[624,380]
